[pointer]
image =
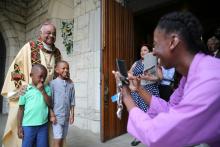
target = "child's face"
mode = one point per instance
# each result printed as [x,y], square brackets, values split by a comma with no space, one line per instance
[63,70]
[38,77]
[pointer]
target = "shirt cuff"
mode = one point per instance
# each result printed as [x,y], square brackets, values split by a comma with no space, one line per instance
[135,113]
[136,122]
[151,111]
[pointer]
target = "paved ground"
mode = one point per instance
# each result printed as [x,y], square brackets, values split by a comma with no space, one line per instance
[83,138]
[2,125]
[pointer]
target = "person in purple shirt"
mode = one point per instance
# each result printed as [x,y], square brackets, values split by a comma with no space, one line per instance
[192,116]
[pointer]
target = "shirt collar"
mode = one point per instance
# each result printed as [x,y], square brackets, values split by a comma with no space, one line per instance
[47,47]
[30,86]
[193,66]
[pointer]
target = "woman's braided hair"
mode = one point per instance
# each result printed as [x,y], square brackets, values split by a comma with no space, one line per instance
[187,26]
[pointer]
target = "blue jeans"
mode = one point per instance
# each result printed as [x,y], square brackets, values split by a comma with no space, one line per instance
[35,135]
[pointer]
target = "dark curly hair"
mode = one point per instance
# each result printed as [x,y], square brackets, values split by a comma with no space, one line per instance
[147,45]
[187,26]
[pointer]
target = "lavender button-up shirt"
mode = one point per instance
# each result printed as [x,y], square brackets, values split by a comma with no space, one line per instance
[63,97]
[192,115]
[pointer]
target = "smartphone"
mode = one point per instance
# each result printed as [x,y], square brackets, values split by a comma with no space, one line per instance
[122,68]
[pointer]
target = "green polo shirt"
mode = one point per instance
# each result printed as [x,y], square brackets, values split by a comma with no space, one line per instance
[35,108]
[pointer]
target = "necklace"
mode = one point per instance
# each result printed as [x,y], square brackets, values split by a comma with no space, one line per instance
[48,65]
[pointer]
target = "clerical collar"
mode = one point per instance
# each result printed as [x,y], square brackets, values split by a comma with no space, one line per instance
[47,47]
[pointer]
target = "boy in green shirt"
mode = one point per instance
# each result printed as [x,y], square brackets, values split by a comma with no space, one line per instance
[33,110]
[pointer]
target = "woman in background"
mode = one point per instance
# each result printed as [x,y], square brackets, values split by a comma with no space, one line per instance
[150,82]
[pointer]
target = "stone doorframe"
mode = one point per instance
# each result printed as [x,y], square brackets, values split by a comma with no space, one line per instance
[12,46]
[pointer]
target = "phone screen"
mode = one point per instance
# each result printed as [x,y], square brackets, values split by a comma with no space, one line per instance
[121,66]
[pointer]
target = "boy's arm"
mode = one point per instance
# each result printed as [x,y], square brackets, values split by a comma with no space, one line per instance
[47,98]
[71,120]
[71,114]
[52,114]
[52,117]
[20,118]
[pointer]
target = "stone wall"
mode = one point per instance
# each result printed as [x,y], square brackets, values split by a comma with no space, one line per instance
[84,60]
[20,22]
[36,14]
[85,63]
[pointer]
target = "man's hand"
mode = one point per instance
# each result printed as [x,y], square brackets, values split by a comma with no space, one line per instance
[127,99]
[22,90]
[117,76]
[134,83]
[14,96]
[20,132]
[125,91]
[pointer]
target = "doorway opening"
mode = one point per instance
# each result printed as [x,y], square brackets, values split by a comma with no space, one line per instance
[145,20]
[2,67]
[123,33]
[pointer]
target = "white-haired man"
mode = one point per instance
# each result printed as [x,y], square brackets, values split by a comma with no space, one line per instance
[41,51]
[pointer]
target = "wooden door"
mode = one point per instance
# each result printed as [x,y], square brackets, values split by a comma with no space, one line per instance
[117,42]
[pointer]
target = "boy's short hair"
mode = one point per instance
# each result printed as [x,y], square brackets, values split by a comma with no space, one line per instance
[61,61]
[38,66]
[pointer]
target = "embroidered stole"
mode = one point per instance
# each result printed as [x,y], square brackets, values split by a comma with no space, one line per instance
[17,74]
[35,52]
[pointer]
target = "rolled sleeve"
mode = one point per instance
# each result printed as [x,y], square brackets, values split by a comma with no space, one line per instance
[48,90]
[137,119]
[73,97]
[22,100]
[157,105]
[52,93]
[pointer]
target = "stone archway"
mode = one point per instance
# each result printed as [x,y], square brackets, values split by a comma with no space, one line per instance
[9,46]
[2,65]
[10,37]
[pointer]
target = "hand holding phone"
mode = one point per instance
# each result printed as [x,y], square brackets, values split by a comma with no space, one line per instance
[121,67]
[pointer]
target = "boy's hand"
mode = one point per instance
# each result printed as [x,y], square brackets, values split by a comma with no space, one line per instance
[53,119]
[20,132]
[71,119]
[40,86]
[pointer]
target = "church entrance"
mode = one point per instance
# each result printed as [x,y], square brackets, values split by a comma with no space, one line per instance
[145,19]
[2,66]
[124,29]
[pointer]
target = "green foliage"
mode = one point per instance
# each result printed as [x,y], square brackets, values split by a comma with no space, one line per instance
[67,35]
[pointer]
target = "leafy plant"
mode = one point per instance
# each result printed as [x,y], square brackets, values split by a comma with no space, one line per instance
[67,35]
